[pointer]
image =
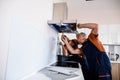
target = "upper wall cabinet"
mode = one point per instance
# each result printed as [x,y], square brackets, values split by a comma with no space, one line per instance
[114,31]
[109,34]
[104,34]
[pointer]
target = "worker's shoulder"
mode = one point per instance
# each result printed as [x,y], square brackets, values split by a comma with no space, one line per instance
[96,42]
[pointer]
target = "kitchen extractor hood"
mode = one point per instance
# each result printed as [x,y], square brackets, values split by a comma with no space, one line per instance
[60,22]
[63,26]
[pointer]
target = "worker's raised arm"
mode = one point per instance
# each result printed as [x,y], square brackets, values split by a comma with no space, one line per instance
[92,26]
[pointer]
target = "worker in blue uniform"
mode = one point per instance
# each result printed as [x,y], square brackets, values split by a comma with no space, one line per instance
[74,44]
[97,64]
[75,57]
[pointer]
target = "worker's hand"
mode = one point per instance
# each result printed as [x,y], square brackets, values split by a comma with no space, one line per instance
[62,36]
[64,39]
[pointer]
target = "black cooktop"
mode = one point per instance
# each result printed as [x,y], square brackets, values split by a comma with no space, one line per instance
[70,64]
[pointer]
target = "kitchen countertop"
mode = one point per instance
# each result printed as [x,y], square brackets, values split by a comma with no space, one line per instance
[115,61]
[57,73]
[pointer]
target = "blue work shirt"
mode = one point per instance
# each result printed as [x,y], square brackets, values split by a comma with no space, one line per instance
[98,63]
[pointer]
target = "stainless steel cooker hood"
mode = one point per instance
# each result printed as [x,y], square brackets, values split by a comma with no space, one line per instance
[63,26]
[60,22]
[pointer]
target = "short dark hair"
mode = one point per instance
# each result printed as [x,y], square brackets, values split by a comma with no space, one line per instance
[81,33]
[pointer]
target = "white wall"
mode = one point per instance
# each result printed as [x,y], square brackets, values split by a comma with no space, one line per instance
[100,11]
[4,37]
[25,37]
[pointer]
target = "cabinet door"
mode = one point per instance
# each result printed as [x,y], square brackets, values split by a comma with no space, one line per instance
[104,34]
[119,70]
[115,74]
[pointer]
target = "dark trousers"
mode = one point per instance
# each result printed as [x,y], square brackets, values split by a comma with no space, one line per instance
[105,78]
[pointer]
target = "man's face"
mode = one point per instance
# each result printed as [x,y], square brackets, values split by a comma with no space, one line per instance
[81,38]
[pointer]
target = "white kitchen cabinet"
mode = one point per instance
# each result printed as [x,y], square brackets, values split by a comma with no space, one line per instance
[109,34]
[114,34]
[118,38]
[103,33]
